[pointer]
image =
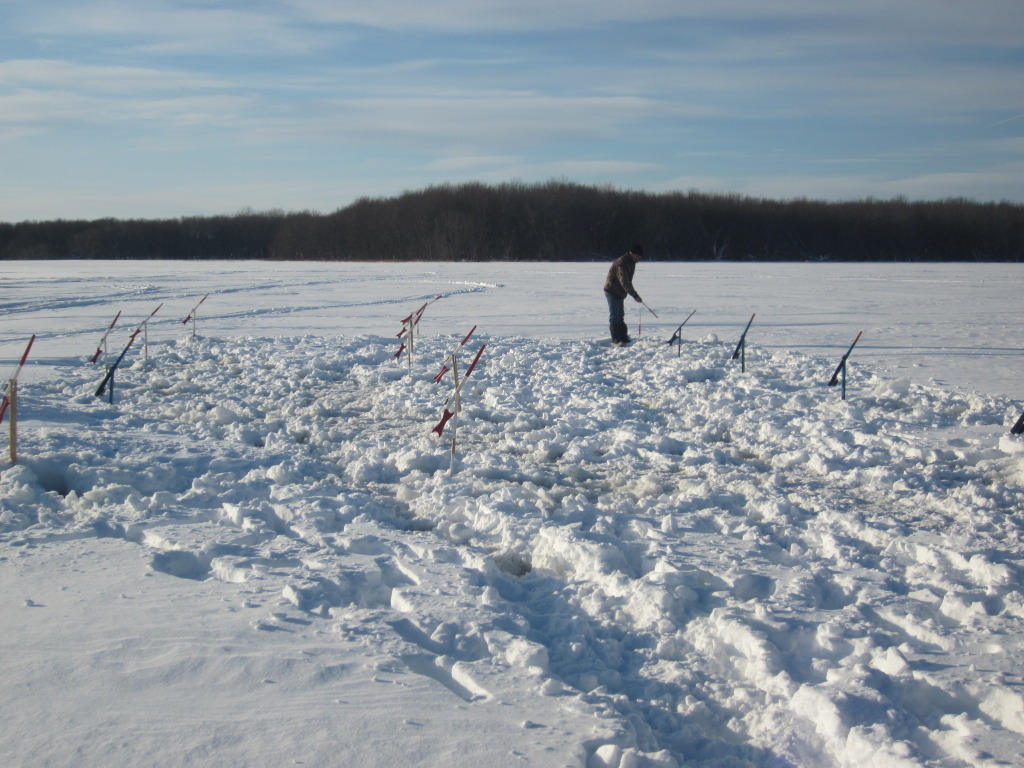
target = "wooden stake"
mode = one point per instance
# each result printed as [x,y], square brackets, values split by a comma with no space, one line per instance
[456,407]
[12,394]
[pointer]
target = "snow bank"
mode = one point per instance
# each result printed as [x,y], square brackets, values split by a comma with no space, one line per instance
[645,557]
[680,562]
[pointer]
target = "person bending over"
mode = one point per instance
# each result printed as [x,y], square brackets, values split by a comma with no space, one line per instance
[617,286]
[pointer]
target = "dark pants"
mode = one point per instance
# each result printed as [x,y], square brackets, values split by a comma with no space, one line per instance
[617,317]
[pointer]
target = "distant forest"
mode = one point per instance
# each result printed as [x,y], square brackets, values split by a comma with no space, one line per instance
[553,221]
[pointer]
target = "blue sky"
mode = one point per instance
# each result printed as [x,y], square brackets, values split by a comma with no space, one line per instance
[167,108]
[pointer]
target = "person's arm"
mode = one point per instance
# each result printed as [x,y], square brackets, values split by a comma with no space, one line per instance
[626,281]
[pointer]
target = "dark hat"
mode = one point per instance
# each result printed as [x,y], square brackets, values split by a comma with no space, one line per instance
[637,249]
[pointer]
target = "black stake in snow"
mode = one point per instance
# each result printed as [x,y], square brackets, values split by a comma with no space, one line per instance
[841,368]
[640,318]
[102,347]
[678,335]
[1018,428]
[109,378]
[741,347]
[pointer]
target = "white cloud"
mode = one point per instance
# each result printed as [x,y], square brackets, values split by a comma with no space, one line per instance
[593,90]
[47,94]
[474,123]
[868,22]
[1013,145]
[30,112]
[174,27]
[296,26]
[470,163]
[469,16]
[69,75]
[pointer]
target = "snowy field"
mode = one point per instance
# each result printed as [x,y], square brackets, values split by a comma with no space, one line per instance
[261,555]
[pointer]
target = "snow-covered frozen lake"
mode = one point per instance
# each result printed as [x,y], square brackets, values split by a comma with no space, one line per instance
[958,323]
[261,555]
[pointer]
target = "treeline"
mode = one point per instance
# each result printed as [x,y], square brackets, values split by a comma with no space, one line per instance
[554,221]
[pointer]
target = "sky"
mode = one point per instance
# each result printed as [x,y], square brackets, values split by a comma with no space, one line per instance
[170,108]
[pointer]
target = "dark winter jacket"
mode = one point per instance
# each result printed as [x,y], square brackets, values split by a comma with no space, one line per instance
[620,278]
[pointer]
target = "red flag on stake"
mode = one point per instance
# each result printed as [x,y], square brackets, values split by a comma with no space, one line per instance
[475,360]
[445,417]
[409,326]
[444,366]
[193,311]
[6,401]
[103,341]
[456,397]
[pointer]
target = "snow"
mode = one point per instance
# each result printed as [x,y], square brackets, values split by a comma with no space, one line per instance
[260,555]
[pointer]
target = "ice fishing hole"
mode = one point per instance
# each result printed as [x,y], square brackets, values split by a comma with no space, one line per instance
[753,586]
[513,563]
[55,484]
[831,597]
[414,524]
[994,605]
[53,476]
[183,565]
